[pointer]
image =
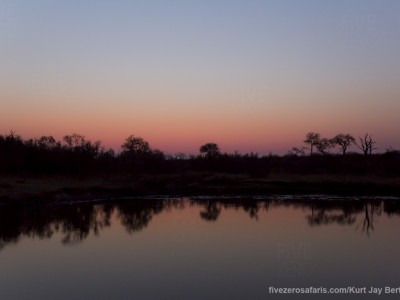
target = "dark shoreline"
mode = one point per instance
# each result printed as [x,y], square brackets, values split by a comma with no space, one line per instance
[69,189]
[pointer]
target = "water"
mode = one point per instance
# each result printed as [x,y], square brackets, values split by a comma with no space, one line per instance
[199,248]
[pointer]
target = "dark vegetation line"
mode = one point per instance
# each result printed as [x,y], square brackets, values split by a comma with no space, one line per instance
[77,155]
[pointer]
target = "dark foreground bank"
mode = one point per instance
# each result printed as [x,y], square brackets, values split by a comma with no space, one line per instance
[67,188]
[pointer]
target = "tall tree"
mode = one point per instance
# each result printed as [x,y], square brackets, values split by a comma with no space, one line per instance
[366,144]
[344,141]
[324,145]
[312,139]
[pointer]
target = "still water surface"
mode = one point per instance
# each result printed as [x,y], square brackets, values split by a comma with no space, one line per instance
[199,248]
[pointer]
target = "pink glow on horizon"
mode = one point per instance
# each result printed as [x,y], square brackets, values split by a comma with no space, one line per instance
[262,142]
[271,127]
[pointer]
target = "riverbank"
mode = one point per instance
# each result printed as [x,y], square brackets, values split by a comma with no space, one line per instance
[61,188]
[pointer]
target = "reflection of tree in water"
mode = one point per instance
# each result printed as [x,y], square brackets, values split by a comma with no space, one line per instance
[136,215]
[2,245]
[342,213]
[370,209]
[211,211]
[212,208]
[76,222]
[252,207]
[391,207]
[16,221]
[345,213]
[323,217]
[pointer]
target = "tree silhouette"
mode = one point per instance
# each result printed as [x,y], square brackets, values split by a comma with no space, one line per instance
[74,141]
[296,151]
[76,155]
[366,144]
[210,150]
[344,141]
[323,145]
[47,143]
[312,139]
[136,145]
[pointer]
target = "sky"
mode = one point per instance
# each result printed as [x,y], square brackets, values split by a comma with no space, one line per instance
[249,75]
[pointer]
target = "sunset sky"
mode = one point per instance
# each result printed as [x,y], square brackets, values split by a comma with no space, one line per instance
[248,75]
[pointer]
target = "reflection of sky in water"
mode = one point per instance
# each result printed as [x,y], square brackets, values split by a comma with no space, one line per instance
[197,250]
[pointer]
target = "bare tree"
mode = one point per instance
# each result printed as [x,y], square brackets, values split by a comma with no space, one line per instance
[324,145]
[13,137]
[366,144]
[312,139]
[344,141]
